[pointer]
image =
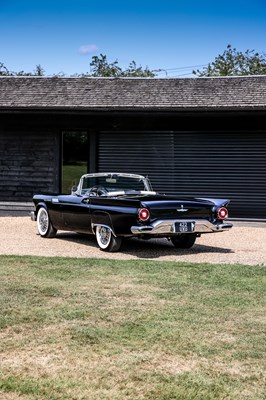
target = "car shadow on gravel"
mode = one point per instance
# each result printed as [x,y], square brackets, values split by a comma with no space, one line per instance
[162,247]
[152,248]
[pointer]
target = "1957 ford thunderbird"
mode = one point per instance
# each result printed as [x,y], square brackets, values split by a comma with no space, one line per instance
[112,206]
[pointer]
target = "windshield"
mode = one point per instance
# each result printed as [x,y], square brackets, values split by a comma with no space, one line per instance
[114,183]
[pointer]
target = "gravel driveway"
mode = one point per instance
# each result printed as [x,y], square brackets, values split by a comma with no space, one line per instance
[245,244]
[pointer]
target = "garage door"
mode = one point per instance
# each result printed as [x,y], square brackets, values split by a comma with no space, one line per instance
[224,165]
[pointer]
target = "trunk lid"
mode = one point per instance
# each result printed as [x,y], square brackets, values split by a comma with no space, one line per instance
[179,209]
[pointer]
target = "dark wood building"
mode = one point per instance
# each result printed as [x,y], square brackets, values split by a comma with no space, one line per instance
[200,137]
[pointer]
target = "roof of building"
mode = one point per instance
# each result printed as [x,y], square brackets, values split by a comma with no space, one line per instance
[217,93]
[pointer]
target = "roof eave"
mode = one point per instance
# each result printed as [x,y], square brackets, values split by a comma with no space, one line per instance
[72,108]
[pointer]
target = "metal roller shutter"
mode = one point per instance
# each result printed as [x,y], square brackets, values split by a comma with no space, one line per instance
[219,164]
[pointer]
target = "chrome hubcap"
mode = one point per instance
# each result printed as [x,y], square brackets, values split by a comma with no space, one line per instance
[43,221]
[105,235]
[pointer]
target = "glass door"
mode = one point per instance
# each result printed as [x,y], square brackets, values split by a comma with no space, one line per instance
[75,158]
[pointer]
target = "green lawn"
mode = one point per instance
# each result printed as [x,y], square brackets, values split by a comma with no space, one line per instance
[108,329]
[71,175]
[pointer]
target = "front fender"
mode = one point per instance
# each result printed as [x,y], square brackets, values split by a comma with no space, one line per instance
[38,206]
[33,214]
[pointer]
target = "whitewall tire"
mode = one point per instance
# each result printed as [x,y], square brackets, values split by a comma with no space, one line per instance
[44,225]
[106,240]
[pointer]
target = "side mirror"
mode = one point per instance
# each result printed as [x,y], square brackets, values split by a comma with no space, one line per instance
[74,189]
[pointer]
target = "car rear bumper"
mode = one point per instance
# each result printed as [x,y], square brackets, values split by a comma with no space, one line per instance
[164,227]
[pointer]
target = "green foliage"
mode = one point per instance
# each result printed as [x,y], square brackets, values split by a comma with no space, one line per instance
[39,71]
[4,71]
[101,67]
[135,71]
[235,63]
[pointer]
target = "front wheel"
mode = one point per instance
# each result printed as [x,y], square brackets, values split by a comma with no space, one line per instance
[184,241]
[106,240]
[44,225]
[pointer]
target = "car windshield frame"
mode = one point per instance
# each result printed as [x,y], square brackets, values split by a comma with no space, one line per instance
[113,182]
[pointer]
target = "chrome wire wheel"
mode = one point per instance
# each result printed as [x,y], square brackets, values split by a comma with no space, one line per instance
[106,240]
[103,236]
[42,221]
[44,225]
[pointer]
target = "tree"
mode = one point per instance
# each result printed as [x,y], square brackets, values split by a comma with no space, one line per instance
[135,71]
[235,63]
[39,71]
[101,67]
[3,70]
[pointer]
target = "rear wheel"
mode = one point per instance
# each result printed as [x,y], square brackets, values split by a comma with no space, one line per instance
[106,240]
[184,241]
[45,228]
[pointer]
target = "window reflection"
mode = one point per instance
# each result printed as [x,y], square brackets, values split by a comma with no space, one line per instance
[75,157]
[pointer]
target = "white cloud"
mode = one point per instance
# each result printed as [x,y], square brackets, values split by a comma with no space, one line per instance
[88,48]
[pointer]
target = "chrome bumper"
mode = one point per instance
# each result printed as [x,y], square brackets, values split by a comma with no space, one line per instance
[32,216]
[163,227]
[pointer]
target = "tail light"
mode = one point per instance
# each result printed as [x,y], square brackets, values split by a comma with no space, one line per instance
[222,213]
[144,214]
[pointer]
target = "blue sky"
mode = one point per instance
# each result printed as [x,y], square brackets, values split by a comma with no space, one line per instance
[63,35]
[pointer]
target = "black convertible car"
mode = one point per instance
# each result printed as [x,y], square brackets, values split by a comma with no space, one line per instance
[112,206]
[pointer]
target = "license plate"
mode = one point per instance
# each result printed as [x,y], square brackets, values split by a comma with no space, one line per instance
[184,227]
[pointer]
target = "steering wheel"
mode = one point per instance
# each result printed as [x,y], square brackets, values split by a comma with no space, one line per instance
[98,191]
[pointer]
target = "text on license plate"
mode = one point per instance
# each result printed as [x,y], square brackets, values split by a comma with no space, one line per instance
[183,227]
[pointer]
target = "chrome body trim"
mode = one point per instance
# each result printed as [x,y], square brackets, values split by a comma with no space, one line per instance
[105,226]
[162,227]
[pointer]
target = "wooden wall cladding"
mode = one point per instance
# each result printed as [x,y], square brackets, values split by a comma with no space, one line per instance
[29,163]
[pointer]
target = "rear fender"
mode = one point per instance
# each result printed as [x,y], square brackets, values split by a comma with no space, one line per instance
[217,202]
[101,218]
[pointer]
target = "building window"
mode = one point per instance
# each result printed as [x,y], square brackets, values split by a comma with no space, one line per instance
[75,158]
